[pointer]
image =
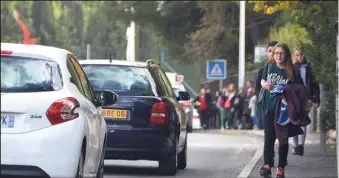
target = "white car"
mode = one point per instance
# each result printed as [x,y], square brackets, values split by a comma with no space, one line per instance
[50,120]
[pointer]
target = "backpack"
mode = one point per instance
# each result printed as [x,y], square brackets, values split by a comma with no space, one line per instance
[260,96]
[221,102]
[227,103]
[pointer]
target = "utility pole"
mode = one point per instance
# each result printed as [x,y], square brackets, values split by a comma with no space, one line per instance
[130,34]
[337,102]
[88,54]
[241,75]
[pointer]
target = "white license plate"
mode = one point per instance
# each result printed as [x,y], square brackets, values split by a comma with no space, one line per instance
[7,121]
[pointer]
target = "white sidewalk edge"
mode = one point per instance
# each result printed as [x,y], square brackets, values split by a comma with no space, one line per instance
[251,164]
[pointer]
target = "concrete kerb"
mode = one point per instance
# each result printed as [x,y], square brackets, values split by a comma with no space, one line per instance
[258,135]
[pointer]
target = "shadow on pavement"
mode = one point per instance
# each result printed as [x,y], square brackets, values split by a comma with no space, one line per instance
[132,170]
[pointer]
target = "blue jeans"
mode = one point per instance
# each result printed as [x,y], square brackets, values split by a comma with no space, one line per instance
[239,124]
[257,122]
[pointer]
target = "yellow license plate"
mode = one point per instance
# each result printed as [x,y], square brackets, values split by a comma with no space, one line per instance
[114,113]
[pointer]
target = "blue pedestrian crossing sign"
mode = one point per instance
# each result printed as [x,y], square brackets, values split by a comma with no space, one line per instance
[216,69]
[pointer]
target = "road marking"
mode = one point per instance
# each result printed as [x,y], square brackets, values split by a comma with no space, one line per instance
[251,164]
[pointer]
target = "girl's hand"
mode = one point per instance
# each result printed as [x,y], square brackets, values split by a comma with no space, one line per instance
[266,85]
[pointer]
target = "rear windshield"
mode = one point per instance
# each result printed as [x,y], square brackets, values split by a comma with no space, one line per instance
[21,74]
[124,80]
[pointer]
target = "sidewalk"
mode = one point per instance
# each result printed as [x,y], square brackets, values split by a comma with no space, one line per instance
[313,164]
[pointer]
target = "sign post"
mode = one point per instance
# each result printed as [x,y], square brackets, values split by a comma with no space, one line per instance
[217,70]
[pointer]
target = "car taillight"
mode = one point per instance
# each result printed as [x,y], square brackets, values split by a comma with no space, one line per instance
[159,113]
[6,52]
[62,110]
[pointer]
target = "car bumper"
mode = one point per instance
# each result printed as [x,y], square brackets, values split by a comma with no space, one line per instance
[137,144]
[49,152]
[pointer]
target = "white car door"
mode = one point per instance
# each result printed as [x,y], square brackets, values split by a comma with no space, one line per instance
[95,139]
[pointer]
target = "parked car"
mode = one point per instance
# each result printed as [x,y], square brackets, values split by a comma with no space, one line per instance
[146,122]
[50,125]
[184,99]
[183,96]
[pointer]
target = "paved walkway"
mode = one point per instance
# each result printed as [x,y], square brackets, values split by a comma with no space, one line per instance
[313,164]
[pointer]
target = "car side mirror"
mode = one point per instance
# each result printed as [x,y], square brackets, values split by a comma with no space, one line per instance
[105,98]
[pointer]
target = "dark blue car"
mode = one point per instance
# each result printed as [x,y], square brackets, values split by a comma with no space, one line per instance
[147,121]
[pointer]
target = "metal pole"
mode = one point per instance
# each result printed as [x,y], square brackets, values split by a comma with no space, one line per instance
[132,41]
[88,54]
[220,85]
[241,77]
[337,103]
[322,119]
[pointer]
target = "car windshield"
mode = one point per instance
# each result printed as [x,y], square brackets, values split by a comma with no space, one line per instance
[124,80]
[21,74]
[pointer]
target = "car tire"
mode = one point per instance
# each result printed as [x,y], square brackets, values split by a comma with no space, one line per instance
[182,157]
[80,170]
[168,163]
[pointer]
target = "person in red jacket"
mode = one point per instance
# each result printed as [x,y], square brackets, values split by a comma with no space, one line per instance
[27,34]
[202,103]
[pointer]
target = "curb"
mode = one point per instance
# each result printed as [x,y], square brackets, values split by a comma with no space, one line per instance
[245,173]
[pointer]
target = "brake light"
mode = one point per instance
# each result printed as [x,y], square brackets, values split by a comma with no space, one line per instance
[6,52]
[62,110]
[159,113]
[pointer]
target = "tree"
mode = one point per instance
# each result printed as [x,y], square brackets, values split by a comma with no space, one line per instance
[292,34]
[320,18]
[43,22]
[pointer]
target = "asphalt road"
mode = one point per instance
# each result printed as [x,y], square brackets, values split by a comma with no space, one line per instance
[209,155]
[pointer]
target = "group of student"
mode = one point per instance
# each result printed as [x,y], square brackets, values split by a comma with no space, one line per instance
[299,89]
[284,87]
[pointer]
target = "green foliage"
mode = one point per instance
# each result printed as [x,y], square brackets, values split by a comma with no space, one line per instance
[321,20]
[291,34]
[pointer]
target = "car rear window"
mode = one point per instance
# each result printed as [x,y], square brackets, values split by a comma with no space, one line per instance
[124,80]
[22,74]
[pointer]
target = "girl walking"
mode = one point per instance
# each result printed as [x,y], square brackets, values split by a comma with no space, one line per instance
[278,71]
[312,86]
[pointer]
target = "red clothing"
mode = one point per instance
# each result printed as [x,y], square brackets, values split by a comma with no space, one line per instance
[27,34]
[203,105]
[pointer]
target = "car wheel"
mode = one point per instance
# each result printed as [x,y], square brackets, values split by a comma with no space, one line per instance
[80,171]
[182,157]
[168,163]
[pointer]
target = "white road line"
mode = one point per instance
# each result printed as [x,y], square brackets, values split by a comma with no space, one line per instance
[251,164]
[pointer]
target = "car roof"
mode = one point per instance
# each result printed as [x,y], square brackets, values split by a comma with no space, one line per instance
[57,54]
[113,62]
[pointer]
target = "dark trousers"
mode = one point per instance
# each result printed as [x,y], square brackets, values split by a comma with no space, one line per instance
[270,138]
[204,117]
[214,119]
